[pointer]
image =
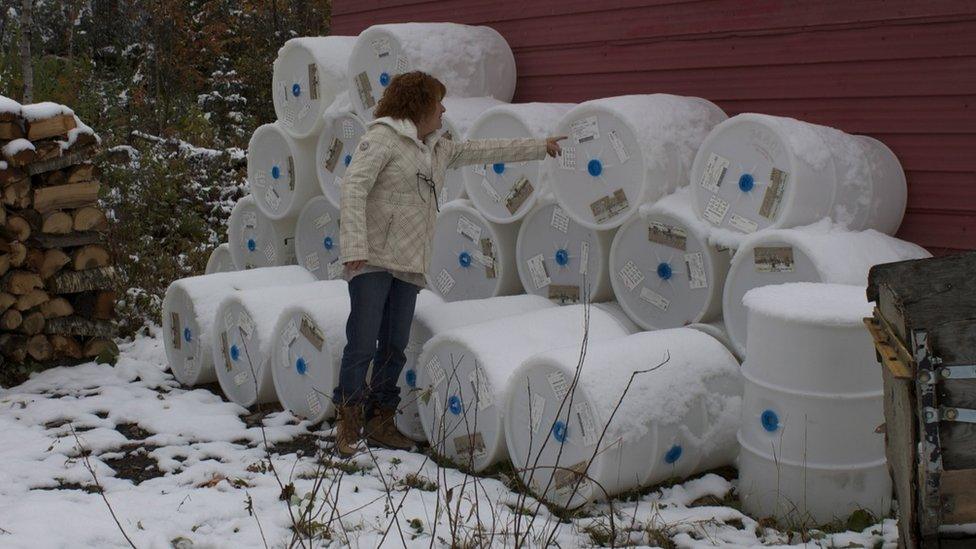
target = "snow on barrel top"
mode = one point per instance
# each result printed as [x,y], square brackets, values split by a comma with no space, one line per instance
[832,304]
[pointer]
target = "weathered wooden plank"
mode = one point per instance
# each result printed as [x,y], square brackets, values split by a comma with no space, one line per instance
[959,497]
[901,436]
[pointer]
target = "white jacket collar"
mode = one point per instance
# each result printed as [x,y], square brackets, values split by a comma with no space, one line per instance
[406,128]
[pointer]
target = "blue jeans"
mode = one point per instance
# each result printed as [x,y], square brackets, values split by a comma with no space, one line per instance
[378,330]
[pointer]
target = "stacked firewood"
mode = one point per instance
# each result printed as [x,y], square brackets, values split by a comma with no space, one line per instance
[56,279]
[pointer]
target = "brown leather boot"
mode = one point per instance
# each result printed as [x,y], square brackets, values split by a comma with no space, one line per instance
[381,431]
[349,426]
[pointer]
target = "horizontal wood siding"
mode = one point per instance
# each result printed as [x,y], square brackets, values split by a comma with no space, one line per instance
[902,71]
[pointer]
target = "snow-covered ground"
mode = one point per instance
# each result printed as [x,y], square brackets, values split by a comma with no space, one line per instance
[186,469]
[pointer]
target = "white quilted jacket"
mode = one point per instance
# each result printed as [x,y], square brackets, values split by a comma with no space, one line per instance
[389,203]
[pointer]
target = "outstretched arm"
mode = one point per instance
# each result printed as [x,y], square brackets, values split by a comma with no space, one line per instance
[489,151]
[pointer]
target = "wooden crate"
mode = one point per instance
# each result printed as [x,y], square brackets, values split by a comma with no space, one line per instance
[924,327]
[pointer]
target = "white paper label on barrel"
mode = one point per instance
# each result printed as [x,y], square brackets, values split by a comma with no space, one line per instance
[588,428]
[270,253]
[774,193]
[714,173]
[381,46]
[560,221]
[537,270]
[323,220]
[246,324]
[558,384]
[304,110]
[715,210]
[654,298]
[189,366]
[228,319]
[290,333]
[468,229]
[585,130]
[490,191]
[774,259]
[480,169]
[444,282]
[337,181]
[314,404]
[272,198]
[312,262]
[249,220]
[696,271]
[631,275]
[438,411]
[537,405]
[618,146]
[483,259]
[744,224]
[335,269]
[584,256]
[401,64]
[567,160]
[289,115]
[241,377]
[486,398]
[435,372]
[348,129]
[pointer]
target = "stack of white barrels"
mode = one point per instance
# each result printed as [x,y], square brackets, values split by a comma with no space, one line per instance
[659,202]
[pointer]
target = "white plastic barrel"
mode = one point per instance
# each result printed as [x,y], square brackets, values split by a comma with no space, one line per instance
[506,191]
[317,239]
[281,171]
[665,274]
[472,257]
[812,403]
[309,337]
[308,74]
[459,114]
[626,151]
[465,373]
[560,259]
[756,171]
[822,252]
[189,309]
[470,61]
[716,329]
[337,141]
[572,445]
[256,240]
[220,260]
[243,330]
[433,316]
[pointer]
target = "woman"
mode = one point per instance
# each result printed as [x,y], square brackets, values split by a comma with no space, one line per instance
[389,207]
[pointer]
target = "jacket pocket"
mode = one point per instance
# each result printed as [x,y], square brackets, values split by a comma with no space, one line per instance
[380,216]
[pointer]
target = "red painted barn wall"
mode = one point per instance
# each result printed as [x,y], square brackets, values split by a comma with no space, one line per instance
[903,71]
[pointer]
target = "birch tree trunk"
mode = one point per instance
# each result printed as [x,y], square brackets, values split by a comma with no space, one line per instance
[26,26]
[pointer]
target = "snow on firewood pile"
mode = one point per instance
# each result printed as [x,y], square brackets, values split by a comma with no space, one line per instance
[184,468]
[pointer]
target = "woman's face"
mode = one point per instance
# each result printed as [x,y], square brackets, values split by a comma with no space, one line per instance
[434,120]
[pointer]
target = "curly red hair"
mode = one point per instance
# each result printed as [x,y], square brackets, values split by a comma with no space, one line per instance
[411,95]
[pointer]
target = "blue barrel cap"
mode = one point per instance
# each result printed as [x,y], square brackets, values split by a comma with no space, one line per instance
[594,167]
[454,405]
[746,182]
[673,454]
[464,259]
[770,421]
[275,172]
[187,335]
[384,79]
[498,167]
[296,89]
[235,353]
[559,431]
[251,245]
[301,366]
[347,159]
[664,271]
[327,243]
[411,377]
[562,257]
